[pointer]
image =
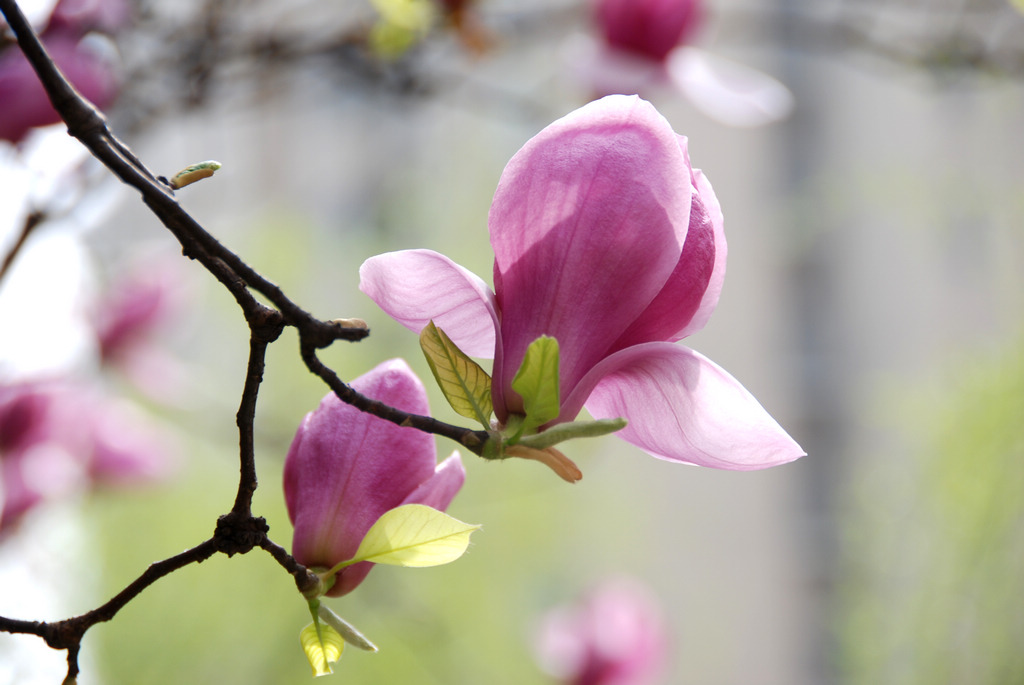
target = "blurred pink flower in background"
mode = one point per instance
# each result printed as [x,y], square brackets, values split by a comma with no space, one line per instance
[70,37]
[615,635]
[131,311]
[84,16]
[61,438]
[606,239]
[650,29]
[346,468]
[646,44]
[26,105]
[131,318]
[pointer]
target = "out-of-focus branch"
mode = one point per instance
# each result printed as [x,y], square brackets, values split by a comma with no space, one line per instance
[31,221]
[941,36]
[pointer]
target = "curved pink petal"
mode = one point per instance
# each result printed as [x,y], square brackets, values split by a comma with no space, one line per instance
[441,488]
[417,286]
[709,211]
[690,294]
[587,223]
[681,406]
[346,468]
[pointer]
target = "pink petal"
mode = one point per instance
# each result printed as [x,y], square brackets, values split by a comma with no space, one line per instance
[605,70]
[728,91]
[441,488]
[346,468]
[587,223]
[19,491]
[681,406]
[24,413]
[617,634]
[685,304]
[25,104]
[129,448]
[709,211]
[417,286]
[647,27]
[82,16]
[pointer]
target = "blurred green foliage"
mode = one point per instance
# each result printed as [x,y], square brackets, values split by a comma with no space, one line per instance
[936,559]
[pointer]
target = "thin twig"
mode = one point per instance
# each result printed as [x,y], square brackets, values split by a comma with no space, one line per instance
[473,440]
[67,634]
[305,580]
[31,221]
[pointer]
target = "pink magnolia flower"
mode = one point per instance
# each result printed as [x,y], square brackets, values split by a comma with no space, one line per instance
[606,239]
[26,105]
[58,438]
[648,28]
[646,44]
[615,636]
[346,468]
[132,311]
[83,16]
[132,318]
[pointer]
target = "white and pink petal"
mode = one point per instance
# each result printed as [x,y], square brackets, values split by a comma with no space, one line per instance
[683,407]
[415,287]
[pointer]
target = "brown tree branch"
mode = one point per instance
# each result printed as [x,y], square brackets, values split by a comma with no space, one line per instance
[473,440]
[238,531]
[234,535]
[264,330]
[67,634]
[89,126]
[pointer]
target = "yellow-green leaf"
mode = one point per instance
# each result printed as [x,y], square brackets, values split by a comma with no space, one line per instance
[415,535]
[414,15]
[536,382]
[322,645]
[465,385]
[403,23]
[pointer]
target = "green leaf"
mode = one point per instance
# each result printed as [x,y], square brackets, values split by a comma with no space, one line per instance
[561,432]
[322,645]
[465,385]
[414,535]
[536,382]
